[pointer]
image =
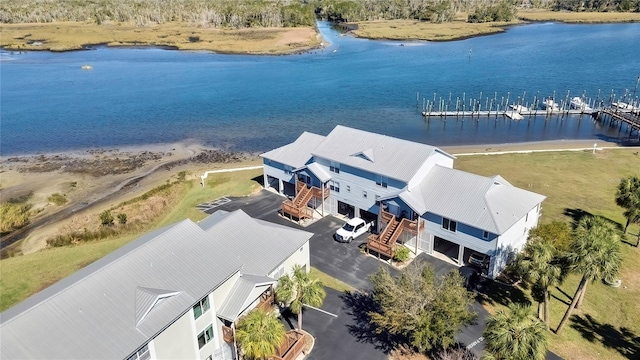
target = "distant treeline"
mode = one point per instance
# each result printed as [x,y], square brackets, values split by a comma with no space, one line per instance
[282,13]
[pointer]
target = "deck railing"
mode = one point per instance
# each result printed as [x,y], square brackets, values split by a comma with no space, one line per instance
[292,347]
[227,334]
[298,207]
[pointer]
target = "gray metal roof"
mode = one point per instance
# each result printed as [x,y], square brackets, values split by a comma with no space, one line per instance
[385,155]
[259,245]
[488,203]
[298,153]
[319,172]
[92,314]
[245,291]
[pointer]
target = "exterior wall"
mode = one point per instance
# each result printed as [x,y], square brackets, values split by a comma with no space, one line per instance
[465,235]
[513,241]
[357,182]
[299,257]
[277,170]
[179,340]
[222,291]
[436,159]
[201,323]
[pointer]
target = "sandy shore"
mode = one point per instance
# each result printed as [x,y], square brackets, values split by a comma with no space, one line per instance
[94,180]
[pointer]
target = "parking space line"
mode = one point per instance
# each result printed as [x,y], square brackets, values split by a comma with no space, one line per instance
[322,311]
[213,204]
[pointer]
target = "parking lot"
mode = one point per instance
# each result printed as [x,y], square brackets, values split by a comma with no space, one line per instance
[342,336]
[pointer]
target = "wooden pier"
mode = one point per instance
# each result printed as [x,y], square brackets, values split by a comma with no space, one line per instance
[618,117]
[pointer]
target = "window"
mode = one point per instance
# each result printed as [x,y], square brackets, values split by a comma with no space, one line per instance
[302,248]
[334,186]
[142,354]
[485,234]
[526,218]
[382,181]
[205,336]
[449,224]
[201,307]
[364,194]
[334,167]
[348,188]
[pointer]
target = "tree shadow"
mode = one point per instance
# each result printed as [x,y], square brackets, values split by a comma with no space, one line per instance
[494,292]
[569,297]
[359,306]
[577,214]
[623,340]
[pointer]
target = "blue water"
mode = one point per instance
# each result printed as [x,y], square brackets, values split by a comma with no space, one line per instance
[254,103]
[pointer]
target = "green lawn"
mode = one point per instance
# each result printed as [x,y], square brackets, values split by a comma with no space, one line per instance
[24,275]
[608,324]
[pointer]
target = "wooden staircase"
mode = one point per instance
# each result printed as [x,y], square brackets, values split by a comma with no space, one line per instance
[298,207]
[385,243]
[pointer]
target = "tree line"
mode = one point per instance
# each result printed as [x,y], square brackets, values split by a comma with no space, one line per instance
[282,13]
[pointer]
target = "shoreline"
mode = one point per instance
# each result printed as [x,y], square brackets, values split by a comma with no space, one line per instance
[282,41]
[88,193]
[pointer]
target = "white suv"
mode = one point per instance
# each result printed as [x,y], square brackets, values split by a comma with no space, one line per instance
[352,229]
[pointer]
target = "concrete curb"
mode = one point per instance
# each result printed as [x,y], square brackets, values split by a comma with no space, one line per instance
[313,343]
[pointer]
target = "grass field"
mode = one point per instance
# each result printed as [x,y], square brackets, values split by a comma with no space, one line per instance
[608,324]
[577,17]
[64,36]
[24,275]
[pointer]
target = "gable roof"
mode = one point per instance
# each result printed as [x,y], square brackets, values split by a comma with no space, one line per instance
[260,246]
[245,291]
[487,203]
[385,155]
[297,153]
[97,311]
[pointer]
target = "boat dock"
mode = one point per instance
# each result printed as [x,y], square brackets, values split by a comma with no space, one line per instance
[617,117]
[508,113]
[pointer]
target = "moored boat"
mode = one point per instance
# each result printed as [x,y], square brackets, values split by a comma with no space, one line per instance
[578,104]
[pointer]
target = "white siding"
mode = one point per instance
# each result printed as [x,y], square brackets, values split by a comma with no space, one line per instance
[178,341]
[300,257]
[513,241]
[221,292]
[357,186]
[278,173]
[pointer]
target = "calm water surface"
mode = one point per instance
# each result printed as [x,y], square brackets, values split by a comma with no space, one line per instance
[254,103]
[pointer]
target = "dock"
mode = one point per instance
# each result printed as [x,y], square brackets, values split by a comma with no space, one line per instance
[507,113]
[618,117]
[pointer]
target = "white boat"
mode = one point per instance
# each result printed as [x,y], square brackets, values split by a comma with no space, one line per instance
[519,108]
[550,105]
[578,104]
[513,115]
[621,105]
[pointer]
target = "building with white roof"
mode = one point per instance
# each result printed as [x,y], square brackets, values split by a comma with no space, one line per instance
[410,189]
[174,293]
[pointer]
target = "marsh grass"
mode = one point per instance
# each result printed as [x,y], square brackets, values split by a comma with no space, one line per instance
[577,184]
[418,30]
[577,17]
[24,275]
[65,36]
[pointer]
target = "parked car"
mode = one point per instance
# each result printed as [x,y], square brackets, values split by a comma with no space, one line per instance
[479,260]
[352,229]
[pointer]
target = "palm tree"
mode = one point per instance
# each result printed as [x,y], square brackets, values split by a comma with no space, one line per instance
[628,197]
[259,334]
[540,267]
[300,289]
[594,253]
[515,335]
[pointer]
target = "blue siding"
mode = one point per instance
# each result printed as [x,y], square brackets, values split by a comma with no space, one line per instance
[273,164]
[461,228]
[392,183]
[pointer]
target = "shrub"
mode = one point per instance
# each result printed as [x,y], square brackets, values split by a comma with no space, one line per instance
[57,199]
[182,175]
[13,216]
[402,254]
[122,218]
[106,219]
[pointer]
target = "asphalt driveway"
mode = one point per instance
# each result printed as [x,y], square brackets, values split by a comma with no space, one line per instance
[346,335]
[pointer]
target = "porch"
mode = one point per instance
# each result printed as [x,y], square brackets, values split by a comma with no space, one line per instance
[266,300]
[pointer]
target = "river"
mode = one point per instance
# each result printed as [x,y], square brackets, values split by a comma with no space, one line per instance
[137,96]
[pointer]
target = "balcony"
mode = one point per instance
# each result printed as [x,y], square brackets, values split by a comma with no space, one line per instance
[292,346]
